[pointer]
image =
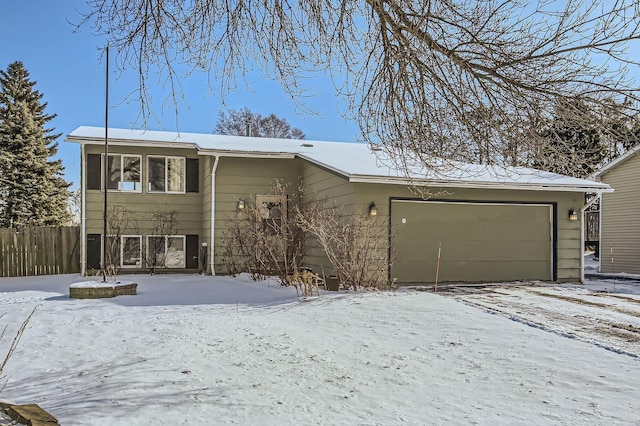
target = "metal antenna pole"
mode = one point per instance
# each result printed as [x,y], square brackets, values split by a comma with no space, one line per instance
[106,163]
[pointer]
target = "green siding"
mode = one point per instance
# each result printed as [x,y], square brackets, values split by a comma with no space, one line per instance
[323,184]
[620,211]
[244,178]
[237,178]
[568,232]
[141,205]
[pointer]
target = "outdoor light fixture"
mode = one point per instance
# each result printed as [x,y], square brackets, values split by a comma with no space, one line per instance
[373,210]
[241,204]
[573,215]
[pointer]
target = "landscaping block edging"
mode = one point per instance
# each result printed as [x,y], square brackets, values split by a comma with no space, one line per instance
[96,290]
[28,414]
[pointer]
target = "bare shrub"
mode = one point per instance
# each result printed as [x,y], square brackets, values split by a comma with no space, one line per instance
[163,228]
[263,239]
[357,245]
[119,220]
[305,282]
[15,342]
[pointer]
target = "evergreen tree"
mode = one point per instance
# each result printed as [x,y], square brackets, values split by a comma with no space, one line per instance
[32,189]
[621,128]
[574,141]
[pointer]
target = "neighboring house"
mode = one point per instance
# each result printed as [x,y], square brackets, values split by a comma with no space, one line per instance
[620,215]
[493,224]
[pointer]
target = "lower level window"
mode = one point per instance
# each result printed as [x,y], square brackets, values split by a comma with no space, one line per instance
[124,251]
[165,251]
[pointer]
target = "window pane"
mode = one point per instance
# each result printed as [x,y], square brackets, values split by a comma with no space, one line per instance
[175,253]
[113,251]
[113,172]
[155,251]
[131,251]
[131,180]
[176,172]
[156,174]
[272,209]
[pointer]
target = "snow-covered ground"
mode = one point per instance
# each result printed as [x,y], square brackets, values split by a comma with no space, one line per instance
[203,350]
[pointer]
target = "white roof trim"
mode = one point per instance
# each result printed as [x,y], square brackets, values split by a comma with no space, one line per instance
[247,154]
[624,157]
[479,184]
[127,142]
[355,162]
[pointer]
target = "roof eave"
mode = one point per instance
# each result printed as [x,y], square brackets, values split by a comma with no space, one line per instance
[479,184]
[179,145]
[626,156]
[246,154]
[130,142]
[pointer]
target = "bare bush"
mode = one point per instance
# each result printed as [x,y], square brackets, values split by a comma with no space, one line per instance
[263,239]
[15,342]
[119,220]
[162,228]
[357,245]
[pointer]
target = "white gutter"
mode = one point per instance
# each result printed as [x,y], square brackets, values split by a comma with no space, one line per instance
[212,251]
[127,142]
[480,184]
[83,208]
[247,154]
[582,211]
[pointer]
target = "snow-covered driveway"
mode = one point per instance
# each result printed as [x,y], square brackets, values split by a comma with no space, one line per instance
[201,350]
[609,320]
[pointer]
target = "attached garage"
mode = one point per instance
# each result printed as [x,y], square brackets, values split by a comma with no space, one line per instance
[478,241]
[492,223]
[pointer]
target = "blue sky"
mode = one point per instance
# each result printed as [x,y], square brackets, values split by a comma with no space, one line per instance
[70,72]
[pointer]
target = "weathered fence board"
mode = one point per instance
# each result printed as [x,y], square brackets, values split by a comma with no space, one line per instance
[39,251]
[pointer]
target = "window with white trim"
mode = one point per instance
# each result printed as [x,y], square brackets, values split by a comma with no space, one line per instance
[124,172]
[127,250]
[272,209]
[166,251]
[166,174]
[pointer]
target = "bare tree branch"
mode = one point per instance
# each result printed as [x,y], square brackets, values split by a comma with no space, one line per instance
[420,76]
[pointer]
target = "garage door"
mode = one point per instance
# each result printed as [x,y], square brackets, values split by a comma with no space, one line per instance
[480,241]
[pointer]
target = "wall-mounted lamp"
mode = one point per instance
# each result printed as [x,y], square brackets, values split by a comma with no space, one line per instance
[373,210]
[241,204]
[573,214]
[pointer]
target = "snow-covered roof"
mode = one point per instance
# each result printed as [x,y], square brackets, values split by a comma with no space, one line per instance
[355,161]
[626,156]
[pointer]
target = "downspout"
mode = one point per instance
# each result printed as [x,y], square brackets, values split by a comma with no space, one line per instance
[212,250]
[83,204]
[582,212]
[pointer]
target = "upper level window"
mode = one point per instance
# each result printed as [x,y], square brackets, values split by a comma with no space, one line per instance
[171,174]
[166,174]
[124,173]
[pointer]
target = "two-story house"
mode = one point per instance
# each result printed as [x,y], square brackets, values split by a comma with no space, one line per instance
[491,223]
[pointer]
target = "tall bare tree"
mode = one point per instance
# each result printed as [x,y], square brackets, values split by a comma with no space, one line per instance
[244,122]
[418,74]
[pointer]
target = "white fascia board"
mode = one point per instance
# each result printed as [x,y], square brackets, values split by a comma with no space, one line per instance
[131,143]
[624,157]
[248,154]
[479,185]
[180,145]
[324,166]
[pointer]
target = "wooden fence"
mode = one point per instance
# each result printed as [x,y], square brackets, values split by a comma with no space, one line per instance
[39,251]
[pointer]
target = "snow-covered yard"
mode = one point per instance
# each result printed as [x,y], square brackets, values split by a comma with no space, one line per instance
[203,350]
